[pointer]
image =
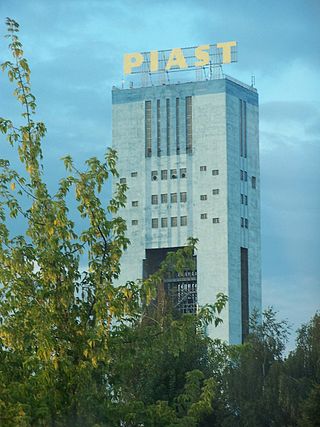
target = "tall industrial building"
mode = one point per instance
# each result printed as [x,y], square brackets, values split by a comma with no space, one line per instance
[189,154]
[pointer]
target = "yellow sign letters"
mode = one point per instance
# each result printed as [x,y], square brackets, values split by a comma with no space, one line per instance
[179,59]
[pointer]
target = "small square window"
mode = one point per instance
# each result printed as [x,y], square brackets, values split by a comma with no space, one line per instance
[173,173]
[123,180]
[174,221]
[215,191]
[203,168]
[254,182]
[173,197]
[183,173]
[154,222]
[203,197]
[164,222]
[135,203]
[215,220]
[154,199]
[183,221]
[164,198]
[164,174]
[246,223]
[204,216]
[215,172]
[134,222]
[183,197]
[154,175]
[134,174]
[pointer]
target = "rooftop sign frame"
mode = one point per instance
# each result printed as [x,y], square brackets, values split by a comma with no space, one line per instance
[180,59]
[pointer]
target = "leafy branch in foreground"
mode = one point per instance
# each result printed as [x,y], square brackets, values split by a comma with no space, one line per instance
[69,338]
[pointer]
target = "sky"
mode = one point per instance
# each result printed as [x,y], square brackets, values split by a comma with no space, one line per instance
[75,50]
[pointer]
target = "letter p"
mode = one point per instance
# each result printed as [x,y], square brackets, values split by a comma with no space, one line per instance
[131,60]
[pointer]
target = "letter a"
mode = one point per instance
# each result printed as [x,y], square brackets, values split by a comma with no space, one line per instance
[176,59]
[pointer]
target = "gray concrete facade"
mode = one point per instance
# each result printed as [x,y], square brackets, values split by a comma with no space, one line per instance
[217,185]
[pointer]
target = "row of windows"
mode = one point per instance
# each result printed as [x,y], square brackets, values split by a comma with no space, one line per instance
[166,146]
[173,174]
[204,169]
[244,177]
[244,199]
[163,222]
[244,222]
[173,198]
[173,222]
[164,198]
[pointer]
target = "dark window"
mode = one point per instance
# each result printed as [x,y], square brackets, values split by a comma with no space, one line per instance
[123,180]
[174,221]
[215,172]
[135,203]
[244,293]
[189,124]
[215,191]
[203,197]
[168,125]
[134,174]
[134,222]
[243,128]
[215,220]
[183,197]
[183,220]
[203,216]
[164,174]
[173,173]
[173,197]
[154,175]
[154,222]
[203,168]
[177,125]
[164,222]
[183,173]
[148,131]
[254,182]
[164,198]
[154,199]
[158,129]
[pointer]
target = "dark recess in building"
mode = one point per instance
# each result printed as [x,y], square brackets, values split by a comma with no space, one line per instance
[181,288]
[244,293]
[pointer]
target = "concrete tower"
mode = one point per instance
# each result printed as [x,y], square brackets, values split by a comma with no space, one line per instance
[189,154]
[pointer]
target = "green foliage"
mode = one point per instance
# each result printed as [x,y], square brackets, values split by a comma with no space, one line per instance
[74,348]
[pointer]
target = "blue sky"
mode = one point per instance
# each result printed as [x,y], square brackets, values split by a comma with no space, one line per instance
[75,50]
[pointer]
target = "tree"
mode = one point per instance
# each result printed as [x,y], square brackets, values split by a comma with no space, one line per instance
[250,383]
[301,377]
[70,340]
